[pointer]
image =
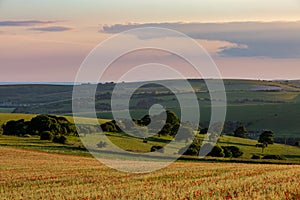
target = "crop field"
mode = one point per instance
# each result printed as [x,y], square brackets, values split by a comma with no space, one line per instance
[28,174]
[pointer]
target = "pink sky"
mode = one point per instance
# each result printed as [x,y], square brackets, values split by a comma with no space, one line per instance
[49,43]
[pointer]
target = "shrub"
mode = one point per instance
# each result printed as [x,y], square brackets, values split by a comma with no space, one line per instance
[157,148]
[274,157]
[1,130]
[256,156]
[235,151]
[203,131]
[46,135]
[227,152]
[101,144]
[214,151]
[217,151]
[193,150]
[60,139]
[27,135]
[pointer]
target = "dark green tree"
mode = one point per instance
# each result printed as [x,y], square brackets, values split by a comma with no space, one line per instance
[42,123]
[240,132]
[192,150]
[217,151]
[266,137]
[13,127]
[233,150]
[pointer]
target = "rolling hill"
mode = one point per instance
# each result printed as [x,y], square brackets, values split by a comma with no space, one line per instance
[256,104]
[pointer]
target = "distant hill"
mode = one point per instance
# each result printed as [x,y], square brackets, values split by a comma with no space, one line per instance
[256,104]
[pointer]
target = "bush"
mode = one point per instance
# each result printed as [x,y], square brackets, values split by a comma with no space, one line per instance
[1,130]
[214,151]
[46,135]
[274,157]
[217,151]
[27,135]
[193,150]
[227,152]
[235,151]
[157,148]
[60,139]
[256,156]
[101,144]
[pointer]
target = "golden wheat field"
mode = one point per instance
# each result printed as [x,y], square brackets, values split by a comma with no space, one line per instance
[26,174]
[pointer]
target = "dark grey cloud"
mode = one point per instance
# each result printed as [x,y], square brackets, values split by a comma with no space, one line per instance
[25,23]
[266,39]
[51,29]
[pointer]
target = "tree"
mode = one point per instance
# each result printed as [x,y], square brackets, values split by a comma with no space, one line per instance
[267,137]
[172,118]
[217,151]
[12,127]
[166,129]
[186,134]
[214,151]
[46,135]
[234,151]
[192,150]
[1,129]
[42,123]
[240,132]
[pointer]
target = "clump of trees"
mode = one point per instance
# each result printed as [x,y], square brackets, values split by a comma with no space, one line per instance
[216,150]
[232,152]
[48,127]
[110,126]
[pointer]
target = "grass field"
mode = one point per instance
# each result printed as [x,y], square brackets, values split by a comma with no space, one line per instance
[35,175]
[75,147]
[251,102]
[4,117]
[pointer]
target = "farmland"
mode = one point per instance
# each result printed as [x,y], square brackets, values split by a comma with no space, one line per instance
[38,175]
[256,104]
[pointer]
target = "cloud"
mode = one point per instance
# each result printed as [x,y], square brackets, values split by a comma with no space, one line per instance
[51,29]
[25,23]
[252,39]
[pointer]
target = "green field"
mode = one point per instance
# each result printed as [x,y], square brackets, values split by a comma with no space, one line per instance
[257,104]
[74,146]
[4,117]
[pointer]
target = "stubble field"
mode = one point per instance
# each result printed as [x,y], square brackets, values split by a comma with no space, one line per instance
[27,174]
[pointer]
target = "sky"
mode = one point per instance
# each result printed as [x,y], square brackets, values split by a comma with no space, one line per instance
[48,40]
